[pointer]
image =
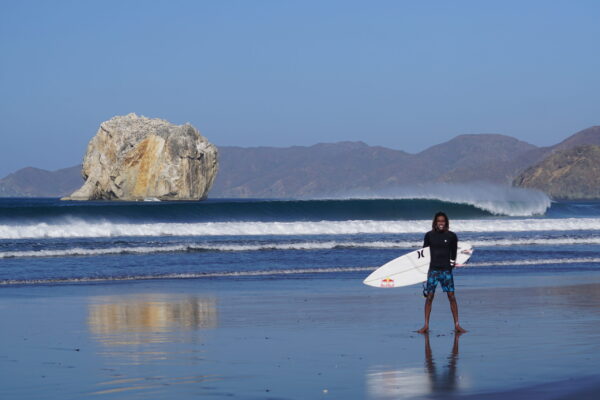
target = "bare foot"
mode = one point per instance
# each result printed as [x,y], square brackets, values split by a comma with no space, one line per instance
[459,329]
[424,329]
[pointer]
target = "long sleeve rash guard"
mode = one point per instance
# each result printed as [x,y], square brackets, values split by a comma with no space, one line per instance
[442,247]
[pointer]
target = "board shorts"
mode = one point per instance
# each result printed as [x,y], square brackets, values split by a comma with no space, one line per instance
[444,277]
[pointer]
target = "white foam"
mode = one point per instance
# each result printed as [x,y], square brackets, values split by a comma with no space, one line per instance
[232,274]
[78,228]
[546,261]
[535,241]
[79,251]
[313,245]
[328,245]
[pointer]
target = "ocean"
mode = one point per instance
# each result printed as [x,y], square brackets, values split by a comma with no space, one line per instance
[264,299]
[50,242]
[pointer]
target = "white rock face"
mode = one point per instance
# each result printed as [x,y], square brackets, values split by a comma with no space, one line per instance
[138,158]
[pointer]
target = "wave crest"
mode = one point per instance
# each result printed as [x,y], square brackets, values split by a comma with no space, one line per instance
[75,228]
[496,199]
[295,246]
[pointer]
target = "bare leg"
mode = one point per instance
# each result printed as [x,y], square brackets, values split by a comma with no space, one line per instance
[454,309]
[428,303]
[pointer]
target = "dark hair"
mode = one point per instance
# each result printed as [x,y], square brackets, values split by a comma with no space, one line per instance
[440,214]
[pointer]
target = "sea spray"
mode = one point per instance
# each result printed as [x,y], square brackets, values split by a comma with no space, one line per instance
[496,199]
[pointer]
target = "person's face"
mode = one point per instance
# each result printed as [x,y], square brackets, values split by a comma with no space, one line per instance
[440,223]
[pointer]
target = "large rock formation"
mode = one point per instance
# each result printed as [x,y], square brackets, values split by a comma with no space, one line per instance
[567,174]
[137,158]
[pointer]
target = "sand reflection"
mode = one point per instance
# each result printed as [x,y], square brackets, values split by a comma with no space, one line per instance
[444,381]
[145,331]
[403,383]
[415,382]
[150,318]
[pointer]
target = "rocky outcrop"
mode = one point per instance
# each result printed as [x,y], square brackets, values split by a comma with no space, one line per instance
[572,174]
[138,158]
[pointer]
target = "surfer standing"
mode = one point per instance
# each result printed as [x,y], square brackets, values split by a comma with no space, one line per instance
[442,245]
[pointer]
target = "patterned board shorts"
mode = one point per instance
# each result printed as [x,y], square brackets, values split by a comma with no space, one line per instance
[444,277]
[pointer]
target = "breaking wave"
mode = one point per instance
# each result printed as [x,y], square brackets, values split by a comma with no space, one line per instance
[299,246]
[77,228]
[547,261]
[495,199]
[458,202]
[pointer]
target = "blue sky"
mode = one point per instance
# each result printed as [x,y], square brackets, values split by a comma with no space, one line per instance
[402,74]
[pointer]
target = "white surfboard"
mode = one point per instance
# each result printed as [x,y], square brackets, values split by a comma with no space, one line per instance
[411,268]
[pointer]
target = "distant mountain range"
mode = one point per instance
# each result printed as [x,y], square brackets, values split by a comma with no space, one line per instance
[572,173]
[35,182]
[330,169]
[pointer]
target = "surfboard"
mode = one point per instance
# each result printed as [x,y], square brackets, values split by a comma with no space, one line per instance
[411,268]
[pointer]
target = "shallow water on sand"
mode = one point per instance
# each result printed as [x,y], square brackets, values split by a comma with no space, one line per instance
[297,339]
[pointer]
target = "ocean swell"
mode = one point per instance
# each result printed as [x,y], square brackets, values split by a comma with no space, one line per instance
[495,199]
[457,203]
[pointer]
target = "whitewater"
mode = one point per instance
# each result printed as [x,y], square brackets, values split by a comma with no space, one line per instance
[314,245]
[46,241]
[81,228]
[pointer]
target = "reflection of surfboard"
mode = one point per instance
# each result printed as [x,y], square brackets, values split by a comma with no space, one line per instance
[411,268]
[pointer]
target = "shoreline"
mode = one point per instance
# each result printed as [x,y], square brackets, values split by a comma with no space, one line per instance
[293,338]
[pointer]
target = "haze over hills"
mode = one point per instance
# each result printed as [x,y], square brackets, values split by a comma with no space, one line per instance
[36,182]
[571,173]
[351,167]
[330,169]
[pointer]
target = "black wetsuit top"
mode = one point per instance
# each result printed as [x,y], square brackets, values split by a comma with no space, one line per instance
[442,247]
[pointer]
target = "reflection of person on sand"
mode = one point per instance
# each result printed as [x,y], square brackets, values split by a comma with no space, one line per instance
[446,382]
[443,245]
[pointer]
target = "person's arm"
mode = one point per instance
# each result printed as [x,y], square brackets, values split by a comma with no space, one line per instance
[426,240]
[453,250]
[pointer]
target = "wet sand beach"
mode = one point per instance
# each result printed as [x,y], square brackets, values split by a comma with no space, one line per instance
[322,337]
